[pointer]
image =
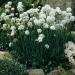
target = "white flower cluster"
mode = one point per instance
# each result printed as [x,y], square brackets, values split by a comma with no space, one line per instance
[70,52]
[47,46]
[40,38]
[13,30]
[8,5]
[20,7]
[43,18]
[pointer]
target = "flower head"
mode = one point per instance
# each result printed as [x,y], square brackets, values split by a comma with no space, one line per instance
[21,27]
[27,32]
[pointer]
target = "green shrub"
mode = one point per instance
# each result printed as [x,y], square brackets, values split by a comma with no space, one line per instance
[37,56]
[11,68]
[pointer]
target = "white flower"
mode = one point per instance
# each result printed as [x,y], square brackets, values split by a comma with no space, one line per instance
[42,15]
[16,14]
[53,27]
[68,9]
[63,22]
[33,11]
[41,21]
[21,27]
[52,13]
[36,10]
[27,32]
[13,19]
[59,26]
[29,24]
[39,30]
[68,14]
[20,6]
[42,35]
[45,25]
[58,10]
[72,18]
[10,3]
[24,16]
[18,24]
[40,38]
[46,9]
[13,28]
[4,26]
[47,46]
[7,6]
[3,15]
[33,18]
[10,44]
[13,33]
[7,10]
[32,5]
[18,20]
[64,13]
[12,9]
[70,52]
[6,17]
[67,19]
[26,19]
[11,15]
[25,13]
[36,22]
[50,19]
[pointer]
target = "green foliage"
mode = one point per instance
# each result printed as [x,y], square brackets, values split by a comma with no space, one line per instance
[11,68]
[27,3]
[35,55]
[4,42]
[64,73]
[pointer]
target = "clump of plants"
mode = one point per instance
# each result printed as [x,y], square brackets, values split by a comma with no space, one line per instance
[12,68]
[37,36]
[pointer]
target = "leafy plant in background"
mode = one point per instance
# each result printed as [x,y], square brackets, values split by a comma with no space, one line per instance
[27,3]
[11,68]
[37,36]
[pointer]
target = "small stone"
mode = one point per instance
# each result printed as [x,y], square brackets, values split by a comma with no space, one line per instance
[35,72]
[5,55]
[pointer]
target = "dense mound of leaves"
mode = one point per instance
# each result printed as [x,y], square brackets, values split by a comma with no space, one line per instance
[38,56]
[11,68]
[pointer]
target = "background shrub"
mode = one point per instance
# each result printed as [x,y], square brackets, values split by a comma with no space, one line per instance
[27,3]
[11,68]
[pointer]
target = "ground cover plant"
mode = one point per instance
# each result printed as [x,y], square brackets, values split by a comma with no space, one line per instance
[11,68]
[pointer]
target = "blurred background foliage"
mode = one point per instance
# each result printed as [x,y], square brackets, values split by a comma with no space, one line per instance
[27,3]
[36,2]
[12,68]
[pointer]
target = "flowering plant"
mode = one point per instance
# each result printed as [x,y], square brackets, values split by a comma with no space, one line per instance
[36,34]
[70,52]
